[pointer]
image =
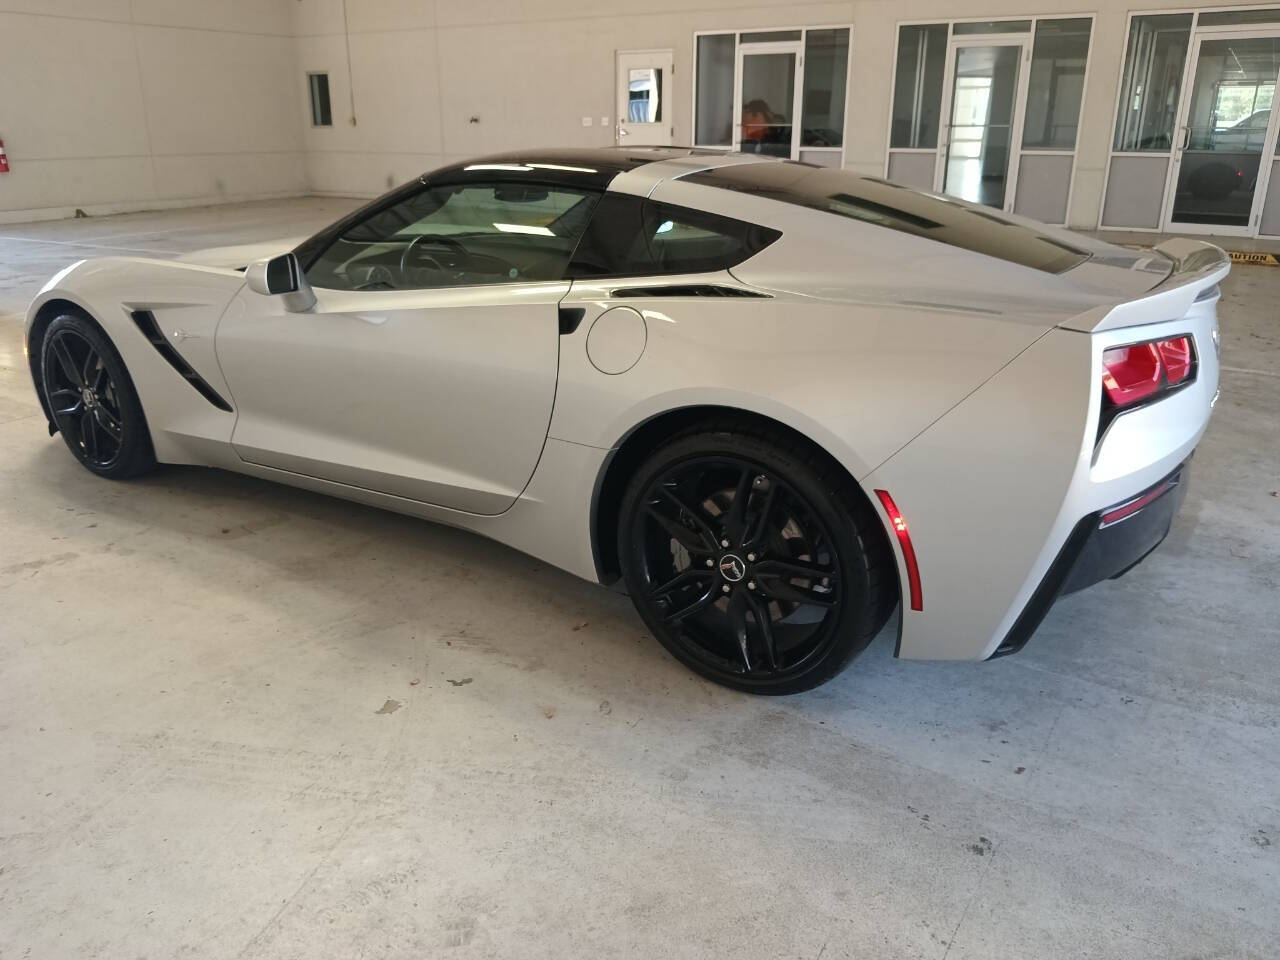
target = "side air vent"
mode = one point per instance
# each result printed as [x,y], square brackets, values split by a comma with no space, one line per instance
[688,290]
[146,322]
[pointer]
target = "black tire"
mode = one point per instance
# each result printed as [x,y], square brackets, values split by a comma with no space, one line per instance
[92,399]
[805,581]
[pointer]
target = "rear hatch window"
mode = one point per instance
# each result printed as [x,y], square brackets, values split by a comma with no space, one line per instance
[894,207]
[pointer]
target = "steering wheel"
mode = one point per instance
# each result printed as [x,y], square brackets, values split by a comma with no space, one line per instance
[442,241]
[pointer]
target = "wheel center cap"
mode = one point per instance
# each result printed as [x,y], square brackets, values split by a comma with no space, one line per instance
[89,398]
[732,568]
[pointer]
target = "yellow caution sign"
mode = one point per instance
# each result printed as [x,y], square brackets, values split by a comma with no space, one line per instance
[1262,259]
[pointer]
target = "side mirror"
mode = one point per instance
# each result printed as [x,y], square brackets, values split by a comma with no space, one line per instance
[282,276]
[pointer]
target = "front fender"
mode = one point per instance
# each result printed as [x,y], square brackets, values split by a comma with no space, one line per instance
[187,302]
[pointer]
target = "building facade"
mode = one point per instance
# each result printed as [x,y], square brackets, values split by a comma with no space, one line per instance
[1134,119]
[1092,113]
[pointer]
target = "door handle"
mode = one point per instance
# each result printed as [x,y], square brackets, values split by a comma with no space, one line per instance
[623,133]
[1186,137]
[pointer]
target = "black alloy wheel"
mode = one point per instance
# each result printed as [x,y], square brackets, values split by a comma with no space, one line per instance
[744,555]
[92,399]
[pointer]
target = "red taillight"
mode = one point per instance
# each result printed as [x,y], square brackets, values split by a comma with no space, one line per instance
[1175,354]
[908,551]
[1130,374]
[1133,373]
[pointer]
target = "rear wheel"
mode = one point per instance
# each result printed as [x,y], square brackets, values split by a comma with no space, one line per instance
[92,399]
[753,560]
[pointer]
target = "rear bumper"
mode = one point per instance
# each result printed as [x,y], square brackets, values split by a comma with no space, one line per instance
[1102,546]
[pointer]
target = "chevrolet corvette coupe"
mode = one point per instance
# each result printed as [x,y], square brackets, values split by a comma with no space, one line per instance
[778,401]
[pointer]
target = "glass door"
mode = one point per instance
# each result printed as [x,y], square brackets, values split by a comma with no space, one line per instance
[983,120]
[1226,127]
[768,99]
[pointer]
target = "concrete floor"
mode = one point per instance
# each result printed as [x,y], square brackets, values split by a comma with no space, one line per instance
[239,720]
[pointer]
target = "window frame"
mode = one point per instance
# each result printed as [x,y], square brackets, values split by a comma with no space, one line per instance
[1084,87]
[311,250]
[1113,153]
[311,98]
[893,86]
[1115,107]
[1020,107]
[736,33]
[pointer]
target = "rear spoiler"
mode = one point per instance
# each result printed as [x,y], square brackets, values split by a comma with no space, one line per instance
[1197,266]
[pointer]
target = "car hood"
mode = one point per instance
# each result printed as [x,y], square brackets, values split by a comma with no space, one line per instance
[240,256]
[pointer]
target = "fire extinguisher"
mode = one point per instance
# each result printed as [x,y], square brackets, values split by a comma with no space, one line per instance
[4,159]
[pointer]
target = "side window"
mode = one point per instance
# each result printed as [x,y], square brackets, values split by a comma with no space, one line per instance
[450,236]
[630,237]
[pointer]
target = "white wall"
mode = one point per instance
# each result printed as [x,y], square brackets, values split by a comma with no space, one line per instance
[123,104]
[110,105]
[530,70]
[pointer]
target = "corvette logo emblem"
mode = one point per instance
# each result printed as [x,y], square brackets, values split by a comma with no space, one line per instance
[732,568]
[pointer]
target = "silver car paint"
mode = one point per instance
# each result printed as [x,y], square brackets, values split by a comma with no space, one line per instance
[965,385]
[441,396]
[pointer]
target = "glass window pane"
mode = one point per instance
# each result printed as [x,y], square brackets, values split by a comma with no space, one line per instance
[917,88]
[454,236]
[770,36]
[321,115]
[826,68]
[644,95]
[1228,17]
[713,117]
[1231,98]
[1152,80]
[1056,84]
[768,89]
[991,26]
[632,237]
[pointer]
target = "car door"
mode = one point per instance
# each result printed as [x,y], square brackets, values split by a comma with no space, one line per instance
[427,367]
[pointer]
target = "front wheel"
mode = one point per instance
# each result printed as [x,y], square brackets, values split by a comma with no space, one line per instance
[92,399]
[753,559]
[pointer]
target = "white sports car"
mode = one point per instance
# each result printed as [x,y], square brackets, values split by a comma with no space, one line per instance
[775,399]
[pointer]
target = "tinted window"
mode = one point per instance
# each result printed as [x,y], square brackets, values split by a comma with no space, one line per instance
[895,207]
[457,236]
[321,115]
[917,88]
[1056,83]
[1151,82]
[826,72]
[631,237]
[713,101]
